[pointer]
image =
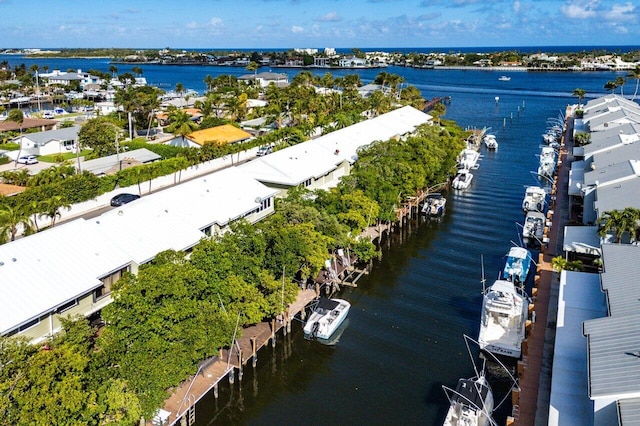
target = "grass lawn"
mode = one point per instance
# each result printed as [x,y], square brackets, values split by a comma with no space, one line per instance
[66,156]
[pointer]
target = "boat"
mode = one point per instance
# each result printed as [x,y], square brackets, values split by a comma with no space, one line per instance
[516,268]
[533,227]
[434,205]
[326,317]
[462,179]
[504,78]
[490,141]
[504,314]
[468,159]
[534,198]
[471,403]
[547,167]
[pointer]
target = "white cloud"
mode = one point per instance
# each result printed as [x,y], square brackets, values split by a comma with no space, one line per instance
[216,22]
[580,9]
[296,29]
[330,17]
[516,6]
[620,13]
[192,25]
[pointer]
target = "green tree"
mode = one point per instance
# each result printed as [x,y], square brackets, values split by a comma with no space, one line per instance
[100,134]
[51,208]
[12,219]
[635,74]
[17,116]
[579,93]
[181,124]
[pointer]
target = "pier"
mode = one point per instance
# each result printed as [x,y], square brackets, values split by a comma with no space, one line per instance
[181,405]
[531,400]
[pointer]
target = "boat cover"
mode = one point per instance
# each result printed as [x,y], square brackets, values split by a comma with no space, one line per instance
[328,304]
[469,390]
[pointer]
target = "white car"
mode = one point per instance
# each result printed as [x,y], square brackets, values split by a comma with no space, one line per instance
[27,159]
[264,150]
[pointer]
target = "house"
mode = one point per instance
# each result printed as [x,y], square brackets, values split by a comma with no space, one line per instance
[266,78]
[111,164]
[57,141]
[352,62]
[65,270]
[28,123]
[220,135]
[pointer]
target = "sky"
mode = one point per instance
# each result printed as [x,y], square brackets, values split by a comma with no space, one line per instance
[260,24]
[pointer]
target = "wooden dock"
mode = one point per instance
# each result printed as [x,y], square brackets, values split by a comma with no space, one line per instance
[180,406]
[531,401]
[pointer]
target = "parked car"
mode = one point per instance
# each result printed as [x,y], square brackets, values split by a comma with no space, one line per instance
[27,159]
[264,150]
[122,199]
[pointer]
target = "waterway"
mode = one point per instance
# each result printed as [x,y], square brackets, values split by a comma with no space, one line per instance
[404,337]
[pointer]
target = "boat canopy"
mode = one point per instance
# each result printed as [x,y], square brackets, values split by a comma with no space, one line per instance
[328,304]
[470,392]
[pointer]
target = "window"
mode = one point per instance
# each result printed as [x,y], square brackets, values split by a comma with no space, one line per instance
[23,327]
[67,306]
[107,282]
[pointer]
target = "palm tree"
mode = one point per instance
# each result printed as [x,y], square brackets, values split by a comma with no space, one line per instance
[113,70]
[137,71]
[17,116]
[181,123]
[620,82]
[208,80]
[52,208]
[579,93]
[611,85]
[618,222]
[11,219]
[253,66]
[635,74]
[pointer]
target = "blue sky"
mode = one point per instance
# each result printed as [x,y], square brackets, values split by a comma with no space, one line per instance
[317,23]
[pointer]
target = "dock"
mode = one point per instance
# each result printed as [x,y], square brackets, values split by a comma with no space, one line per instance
[181,405]
[531,401]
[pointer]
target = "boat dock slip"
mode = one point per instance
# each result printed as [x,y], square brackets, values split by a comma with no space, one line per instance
[531,403]
[181,404]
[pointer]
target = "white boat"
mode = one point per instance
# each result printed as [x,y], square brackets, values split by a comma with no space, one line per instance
[504,78]
[547,152]
[468,159]
[533,227]
[462,179]
[534,198]
[516,267]
[504,315]
[490,141]
[471,403]
[326,317]
[434,205]
[547,167]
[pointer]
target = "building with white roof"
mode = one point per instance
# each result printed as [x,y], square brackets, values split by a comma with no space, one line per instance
[66,270]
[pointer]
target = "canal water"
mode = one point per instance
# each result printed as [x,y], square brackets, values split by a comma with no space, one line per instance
[404,336]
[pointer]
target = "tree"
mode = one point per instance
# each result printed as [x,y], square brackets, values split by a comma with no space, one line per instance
[579,93]
[620,82]
[619,222]
[137,71]
[181,123]
[52,208]
[253,66]
[439,109]
[611,85]
[11,220]
[100,134]
[17,116]
[635,74]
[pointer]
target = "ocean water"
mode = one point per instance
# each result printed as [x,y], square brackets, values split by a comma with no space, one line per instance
[404,337]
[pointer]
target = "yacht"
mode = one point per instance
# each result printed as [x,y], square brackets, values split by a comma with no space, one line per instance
[471,403]
[504,78]
[504,314]
[534,198]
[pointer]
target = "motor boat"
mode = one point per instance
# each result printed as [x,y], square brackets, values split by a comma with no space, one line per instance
[533,227]
[534,198]
[326,317]
[504,78]
[516,268]
[468,159]
[434,205]
[504,314]
[462,179]
[471,403]
[547,167]
[490,141]
[547,152]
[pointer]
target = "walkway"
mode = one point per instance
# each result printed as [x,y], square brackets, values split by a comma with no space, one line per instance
[531,404]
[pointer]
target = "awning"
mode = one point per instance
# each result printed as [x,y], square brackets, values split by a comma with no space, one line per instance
[582,239]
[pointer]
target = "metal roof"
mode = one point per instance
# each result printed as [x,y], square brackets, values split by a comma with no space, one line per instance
[629,410]
[581,239]
[616,155]
[614,352]
[102,165]
[41,138]
[45,270]
[620,278]
[608,174]
[619,196]
[579,299]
